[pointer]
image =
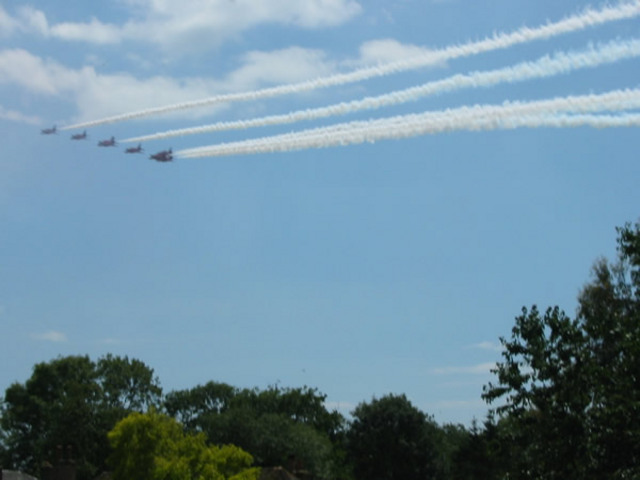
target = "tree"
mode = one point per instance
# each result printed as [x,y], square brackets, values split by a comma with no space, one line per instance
[153,446]
[390,439]
[189,406]
[610,313]
[570,388]
[72,401]
[273,439]
[480,456]
[301,405]
[275,425]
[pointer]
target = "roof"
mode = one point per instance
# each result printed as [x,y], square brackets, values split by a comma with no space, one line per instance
[15,475]
[276,473]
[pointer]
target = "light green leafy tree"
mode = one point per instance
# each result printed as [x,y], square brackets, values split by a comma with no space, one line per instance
[153,446]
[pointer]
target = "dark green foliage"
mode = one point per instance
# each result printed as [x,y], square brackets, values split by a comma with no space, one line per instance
[390,439]
[277,426]
[570,388]
[188,406]
[302,405]
[479,456]
[72,401]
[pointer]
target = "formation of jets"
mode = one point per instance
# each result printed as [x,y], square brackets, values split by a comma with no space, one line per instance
[162,156]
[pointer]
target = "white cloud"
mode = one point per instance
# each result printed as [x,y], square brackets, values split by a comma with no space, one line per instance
[189,24]
[388,50]
[281,66]
[320,13]
[7,24]
[92,32]
[97,95]
[491,346]
[14,116]
[32,20]
[50,336]
[480,369]
[20,67]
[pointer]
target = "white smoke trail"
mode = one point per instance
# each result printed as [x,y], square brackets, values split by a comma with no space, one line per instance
[588,18]
[547,66]
[469,117]
[569,121]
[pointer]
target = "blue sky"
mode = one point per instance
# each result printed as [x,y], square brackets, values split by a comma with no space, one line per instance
[362,270]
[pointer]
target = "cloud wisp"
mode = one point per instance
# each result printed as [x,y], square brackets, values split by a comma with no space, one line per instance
[561,63]
[480,369]
[179,25]
[93,95]
[489,346]
[50,336]
[15,116]
[588,18]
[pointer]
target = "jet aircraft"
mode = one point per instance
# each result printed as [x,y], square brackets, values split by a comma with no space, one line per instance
[163,156]
[49,131]
[137,149]
[107,143]
[79,136]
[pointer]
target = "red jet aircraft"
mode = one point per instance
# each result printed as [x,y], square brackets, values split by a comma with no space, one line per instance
[137,149]
[107,143]
[163,156]
[49,131]
[79,136]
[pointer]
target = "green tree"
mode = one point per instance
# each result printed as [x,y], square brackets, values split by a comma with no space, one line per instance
[479,456]
[273,439]
[190,406]
[72,401]
[301,405]
[569,389]
[153,446]
[390,439]
[275,425]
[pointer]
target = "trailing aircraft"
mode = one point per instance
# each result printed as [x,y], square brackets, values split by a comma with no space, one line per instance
[107,143]
[163,156]
[49,131]
[79,136]
[137,149]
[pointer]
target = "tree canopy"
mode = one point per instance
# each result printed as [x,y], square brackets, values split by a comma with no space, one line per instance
[73,401]
[569,389]
[275,424]
[390,439]
[153,446]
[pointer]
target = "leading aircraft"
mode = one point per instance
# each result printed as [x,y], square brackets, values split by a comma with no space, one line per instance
[163,156]
[79,136]
[107,143]
[137,149]
[49,131]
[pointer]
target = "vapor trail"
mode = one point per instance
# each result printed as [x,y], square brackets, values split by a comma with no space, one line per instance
[573,23]
[547,66]
[478,117]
